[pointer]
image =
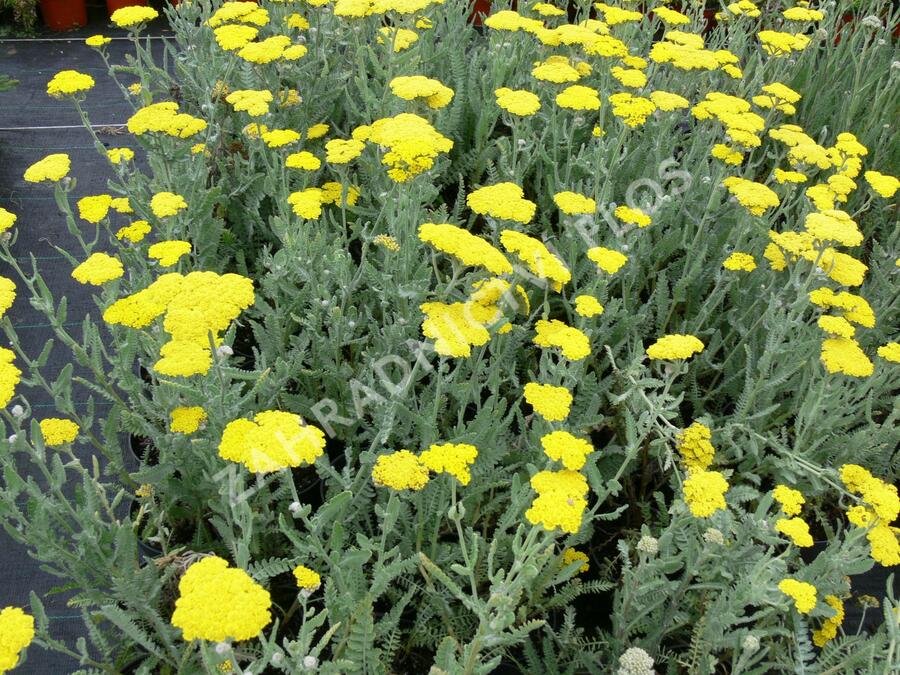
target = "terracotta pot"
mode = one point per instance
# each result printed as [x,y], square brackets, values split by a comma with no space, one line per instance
[480,9]
[113,5]
[64,14]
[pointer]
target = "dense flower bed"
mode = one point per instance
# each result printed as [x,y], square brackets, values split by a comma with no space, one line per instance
[565,343]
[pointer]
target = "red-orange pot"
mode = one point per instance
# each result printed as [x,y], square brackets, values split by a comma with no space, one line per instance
[64,14]
[113,5]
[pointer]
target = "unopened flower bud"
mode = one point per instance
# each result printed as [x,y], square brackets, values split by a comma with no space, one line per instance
[17,411]
[224,350]
[310,661]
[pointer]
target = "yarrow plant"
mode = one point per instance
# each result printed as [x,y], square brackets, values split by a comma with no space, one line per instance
[560,340]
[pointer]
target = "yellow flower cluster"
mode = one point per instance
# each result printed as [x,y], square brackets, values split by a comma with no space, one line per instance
[675,346]
[739,262]
[411,87]
[505,201]
[400,470]
[451,458]
[566,448]
[755,197]
[133,16]
[412,143]
[518,101]
[186,419]
[882,506]
[791,500]
[195,305]
[7,219]
[694,446]
[254,102]
[572,203]
[7,294]
[632,216]
[606,259]
[271,441]
[165,204]
[571,556]
[538,258]
[217,603]
[457,327]
[560,502]
[239,12]
[796,529]
[164,118]
[578,97]
[588,306]
[58,431]
[466,247]
[135,232]
[339,151]
[169,252]
[306,579]
[828,630]
[9,376]
[704,492]
[803,594]
[98,269]
[16,633]
[52,168]
[69,83]
[573,343]
[550,402]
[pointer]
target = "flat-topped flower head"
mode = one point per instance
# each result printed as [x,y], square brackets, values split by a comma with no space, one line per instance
[400,470]
[550,402]
[7,219]
[608,260]
[52,168]
[845,356]
[572,203]
[254,102]
[518,101]
[164,118]
[135,232]
[537,257]
[271,441]
[218,603]
[451,458]
[98,269]
[632,216]
[7,294]
[186,419]
[303,160]
[505,201]
[560,502]
[69,83]
[802,593]
[133,17]
[57,431]
[796,530]
[704,492]
[573,343]
[167,253]
[675,346]
[578,97]
[694,446]
[9,376]
[165,204]
[306,579]
[466,247]
[739,262]
[16,633]
[588,306]
[411,87]
[566,448]
[790,500]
